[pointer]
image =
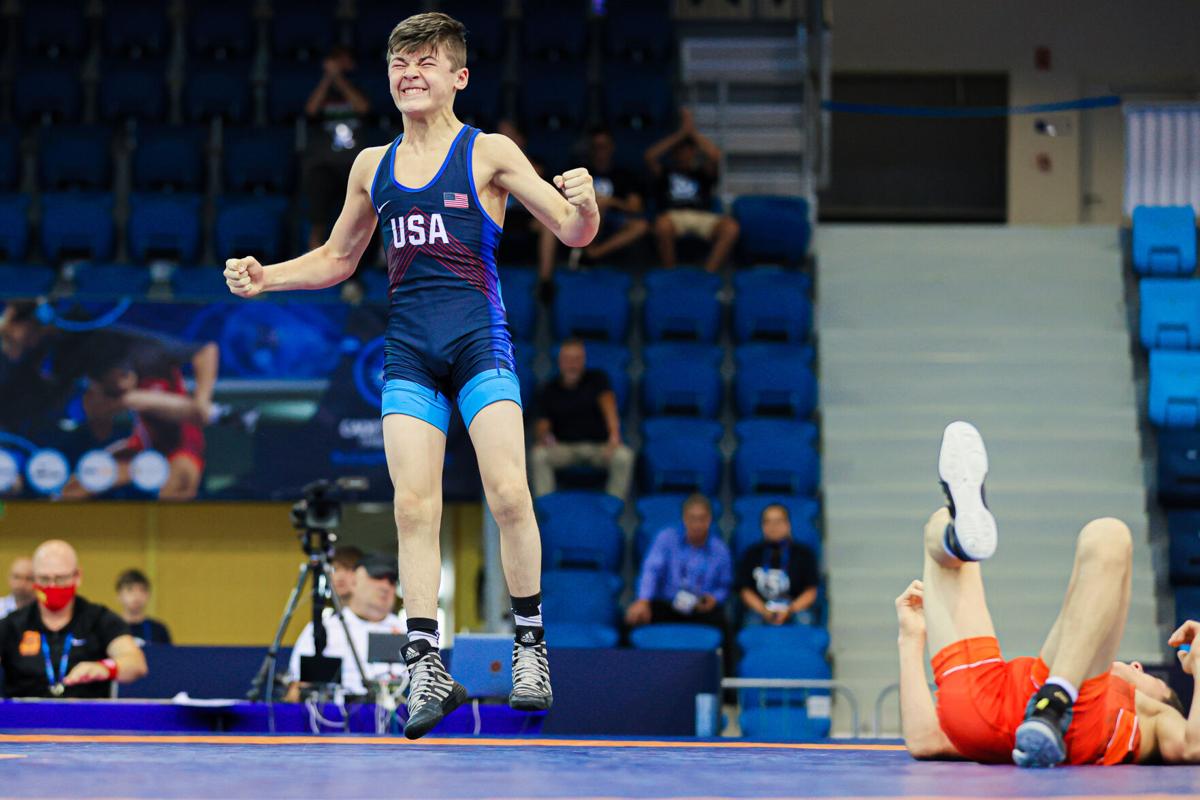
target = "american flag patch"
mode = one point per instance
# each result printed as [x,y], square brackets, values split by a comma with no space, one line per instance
[454,200]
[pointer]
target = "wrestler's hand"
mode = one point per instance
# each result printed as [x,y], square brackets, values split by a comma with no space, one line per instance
[576,186]
[1187,633]
[910,611]
[244,276]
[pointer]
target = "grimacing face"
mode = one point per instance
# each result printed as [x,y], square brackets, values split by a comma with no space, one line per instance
[424,83]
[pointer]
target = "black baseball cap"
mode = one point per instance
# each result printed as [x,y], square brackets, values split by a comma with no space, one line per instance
[379,565]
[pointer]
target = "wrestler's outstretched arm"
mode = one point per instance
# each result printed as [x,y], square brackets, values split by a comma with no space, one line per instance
[332,262]
[572,215]
[923,734]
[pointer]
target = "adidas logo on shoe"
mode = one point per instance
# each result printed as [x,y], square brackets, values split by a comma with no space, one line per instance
[410,653]
[528,638]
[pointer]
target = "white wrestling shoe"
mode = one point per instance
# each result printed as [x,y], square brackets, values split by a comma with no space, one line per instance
[962,466]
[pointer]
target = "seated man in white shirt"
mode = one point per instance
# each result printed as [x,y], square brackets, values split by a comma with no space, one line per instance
[369,611]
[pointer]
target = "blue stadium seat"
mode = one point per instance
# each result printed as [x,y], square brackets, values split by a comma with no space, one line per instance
[771,311]
[583,635]
[639,31]
[782,724]
[578,507]
[637,97]
[199,283]
[25,280]
[479,104]
[810,638]
[675,636]
[775,380]
[164,225]
[288,89]
[133,90]
[775,457]
[48,92]
[773,229]
[10,157]
[802,510]
[1184,531]
[554,149]
[14,226]
[53,28]
[220,28]
[169,157]
[136,28]
[373,23]
[786,664]
[659,511]
[485,34]
[259,158]
[582,541]
[681,305]
[1187,604]
[1170,311]
[551,98]
[1175,389]
[682,379]
[77,224]
[250,226]
[1178,467]
[526,352]
[111,280]
[592,305]
[304,31]
[1164,240]
[580,596]
[74,156]
[769,275]
[218,89]
[554,30]
[516,287]
[681,455]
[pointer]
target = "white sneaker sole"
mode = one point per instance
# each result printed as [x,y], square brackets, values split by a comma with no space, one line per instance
[963,465]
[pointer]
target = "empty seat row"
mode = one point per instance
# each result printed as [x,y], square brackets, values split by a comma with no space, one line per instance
[1163,240]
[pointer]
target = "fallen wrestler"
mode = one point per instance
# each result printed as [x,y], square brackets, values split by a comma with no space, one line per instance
[1073,703]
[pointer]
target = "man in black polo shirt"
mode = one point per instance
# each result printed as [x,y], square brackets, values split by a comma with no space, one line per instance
[62,645]
[777,577]
[577,423]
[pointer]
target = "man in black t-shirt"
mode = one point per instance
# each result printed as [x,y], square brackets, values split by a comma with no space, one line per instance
[63,645]
[684,190]
[577,423]
[133,595]
[619,197]
[777,578]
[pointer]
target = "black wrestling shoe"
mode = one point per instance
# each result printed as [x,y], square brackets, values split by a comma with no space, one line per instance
[962,467]
[531,674]
[432,693]
[1040,738]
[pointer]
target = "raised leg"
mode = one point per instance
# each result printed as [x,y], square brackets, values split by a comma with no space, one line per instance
[955,605]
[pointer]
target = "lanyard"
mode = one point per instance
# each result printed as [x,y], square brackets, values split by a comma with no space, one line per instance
[56,686]
[694,568]
[785,557]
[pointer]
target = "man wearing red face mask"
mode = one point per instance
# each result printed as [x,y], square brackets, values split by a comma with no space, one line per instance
[62,645]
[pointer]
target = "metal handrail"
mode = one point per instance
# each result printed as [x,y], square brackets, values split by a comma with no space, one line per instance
[797,683]
[877,719]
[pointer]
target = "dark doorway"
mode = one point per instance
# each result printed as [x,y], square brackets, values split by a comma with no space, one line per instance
[919,169]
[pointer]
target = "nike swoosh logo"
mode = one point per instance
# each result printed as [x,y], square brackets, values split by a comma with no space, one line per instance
[379,210]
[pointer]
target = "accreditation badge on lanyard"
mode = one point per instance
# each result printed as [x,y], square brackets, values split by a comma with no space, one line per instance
[56,682]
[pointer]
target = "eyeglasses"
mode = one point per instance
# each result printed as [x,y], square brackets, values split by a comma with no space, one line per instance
[56,580]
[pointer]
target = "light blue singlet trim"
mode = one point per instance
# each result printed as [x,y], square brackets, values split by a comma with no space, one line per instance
[414,400]
[436,178]
[489,386]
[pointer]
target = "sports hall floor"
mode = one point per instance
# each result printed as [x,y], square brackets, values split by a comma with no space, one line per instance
[135,766]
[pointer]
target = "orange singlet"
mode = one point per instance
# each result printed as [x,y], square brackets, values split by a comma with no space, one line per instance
[982,699]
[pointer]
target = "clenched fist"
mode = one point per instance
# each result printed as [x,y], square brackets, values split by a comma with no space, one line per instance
[576,186]
[244,276]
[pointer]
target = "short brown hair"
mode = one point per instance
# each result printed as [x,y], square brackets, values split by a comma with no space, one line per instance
[763,516]
[698,499]
[432,32]
[133,577]
[346,556]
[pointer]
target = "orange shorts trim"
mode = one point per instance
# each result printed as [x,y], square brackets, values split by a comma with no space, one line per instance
[982,700]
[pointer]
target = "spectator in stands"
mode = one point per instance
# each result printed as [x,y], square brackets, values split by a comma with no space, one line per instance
[20,587]
[335,108]
[577,423]
[684,188]
[524,237]
[369,611]
[686,575]
[62,645]
[133,595]
[345,561]
[619,196]
[777,577]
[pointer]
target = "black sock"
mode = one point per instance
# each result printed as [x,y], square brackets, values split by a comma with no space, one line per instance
[1052,701]
[527,613]
[423,629]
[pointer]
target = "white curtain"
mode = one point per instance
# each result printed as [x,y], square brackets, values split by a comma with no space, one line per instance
[1162,155]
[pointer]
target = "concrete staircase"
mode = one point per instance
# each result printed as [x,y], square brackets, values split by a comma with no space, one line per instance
[1021,331]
